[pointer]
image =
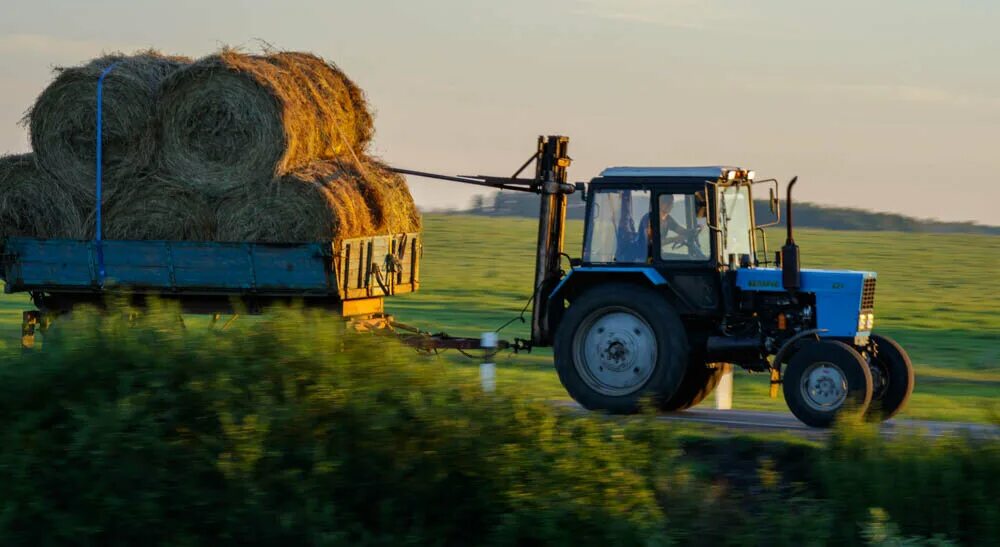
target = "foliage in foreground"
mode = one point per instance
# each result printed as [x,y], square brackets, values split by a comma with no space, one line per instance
[294,431]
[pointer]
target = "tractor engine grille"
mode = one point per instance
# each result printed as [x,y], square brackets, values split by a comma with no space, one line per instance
[868,294]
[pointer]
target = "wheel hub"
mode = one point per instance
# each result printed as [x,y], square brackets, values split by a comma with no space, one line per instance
[617,354]
[824,386]
[615,351]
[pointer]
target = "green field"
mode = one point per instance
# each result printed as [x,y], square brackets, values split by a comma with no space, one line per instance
[936,295]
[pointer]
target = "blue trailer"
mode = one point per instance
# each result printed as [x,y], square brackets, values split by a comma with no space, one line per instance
[349,278]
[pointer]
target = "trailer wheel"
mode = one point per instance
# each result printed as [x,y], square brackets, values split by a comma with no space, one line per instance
[617,343]
[699,382]
[824,380]
[892,377]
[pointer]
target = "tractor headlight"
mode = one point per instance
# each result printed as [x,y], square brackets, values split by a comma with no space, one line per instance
[866,321]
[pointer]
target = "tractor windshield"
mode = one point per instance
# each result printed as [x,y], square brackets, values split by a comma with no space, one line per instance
[735,221]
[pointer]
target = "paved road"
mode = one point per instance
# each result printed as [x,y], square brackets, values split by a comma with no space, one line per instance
[755,420]
[751,420]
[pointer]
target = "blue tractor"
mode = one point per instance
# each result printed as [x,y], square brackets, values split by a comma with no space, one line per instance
[674,282]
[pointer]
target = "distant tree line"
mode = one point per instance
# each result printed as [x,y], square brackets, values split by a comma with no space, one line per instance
[807,215]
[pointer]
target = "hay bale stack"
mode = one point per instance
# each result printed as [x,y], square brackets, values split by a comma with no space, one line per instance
[33,204]
[156,208]
[233,119]
[233,147]
[322,202]
[62,121]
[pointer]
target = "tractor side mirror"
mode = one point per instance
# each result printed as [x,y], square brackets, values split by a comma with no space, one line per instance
[772,203]
[582,188]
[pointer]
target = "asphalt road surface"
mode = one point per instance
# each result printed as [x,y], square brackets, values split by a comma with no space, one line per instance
[755,420]
[751,420]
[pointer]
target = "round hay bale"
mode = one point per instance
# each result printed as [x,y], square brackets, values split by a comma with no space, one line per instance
[232,119]
[63,120]
[32,204]
[157,209]
[321,202]
[388,197]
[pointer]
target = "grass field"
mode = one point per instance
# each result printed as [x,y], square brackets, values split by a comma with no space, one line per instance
[936,295]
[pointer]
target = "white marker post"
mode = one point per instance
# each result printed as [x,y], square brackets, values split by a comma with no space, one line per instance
[487,370]
[724,391]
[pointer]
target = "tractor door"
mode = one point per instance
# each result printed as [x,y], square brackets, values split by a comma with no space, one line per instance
[685,249]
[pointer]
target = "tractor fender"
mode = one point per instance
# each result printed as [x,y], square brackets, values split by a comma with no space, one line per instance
[582,278]
[586,276]
[779,357]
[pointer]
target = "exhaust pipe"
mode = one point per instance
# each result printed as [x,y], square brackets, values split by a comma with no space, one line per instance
[791,277]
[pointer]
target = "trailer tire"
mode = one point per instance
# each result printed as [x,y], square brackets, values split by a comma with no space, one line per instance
[825,380]
[618,343]
[699,382]
[891,363]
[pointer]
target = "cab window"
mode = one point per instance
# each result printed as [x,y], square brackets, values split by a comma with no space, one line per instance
[614,231]
[683,225]
[734,220]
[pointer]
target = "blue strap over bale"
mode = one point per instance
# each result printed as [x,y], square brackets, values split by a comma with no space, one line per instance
[100,151]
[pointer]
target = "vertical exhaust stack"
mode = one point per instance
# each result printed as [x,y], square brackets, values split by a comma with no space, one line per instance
[790,268]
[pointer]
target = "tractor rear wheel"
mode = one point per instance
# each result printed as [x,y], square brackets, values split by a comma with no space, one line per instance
[617,343]
[824,380]
[699,381]
[892,376]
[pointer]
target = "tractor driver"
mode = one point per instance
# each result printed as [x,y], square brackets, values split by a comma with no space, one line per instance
[667,225]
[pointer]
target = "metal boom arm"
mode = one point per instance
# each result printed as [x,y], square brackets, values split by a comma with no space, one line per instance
[551,163]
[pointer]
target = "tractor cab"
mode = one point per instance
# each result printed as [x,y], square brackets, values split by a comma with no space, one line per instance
[669,216]
[677,226]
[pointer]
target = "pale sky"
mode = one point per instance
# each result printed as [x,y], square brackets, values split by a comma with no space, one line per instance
[892,105]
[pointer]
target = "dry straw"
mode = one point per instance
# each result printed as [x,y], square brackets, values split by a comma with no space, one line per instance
[32,204]
[325,201]
[157,209]
[63,120]
[233,119]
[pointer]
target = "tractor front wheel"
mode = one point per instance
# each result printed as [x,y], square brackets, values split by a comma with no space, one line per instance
[826,379]
[892,376]
[617,343]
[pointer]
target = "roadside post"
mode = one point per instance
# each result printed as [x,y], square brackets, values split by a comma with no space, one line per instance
[724,391]
[487,370]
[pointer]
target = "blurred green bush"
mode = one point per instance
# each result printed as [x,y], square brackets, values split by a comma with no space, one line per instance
[132,430]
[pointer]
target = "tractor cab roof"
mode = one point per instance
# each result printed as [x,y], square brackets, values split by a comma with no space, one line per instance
[672,175]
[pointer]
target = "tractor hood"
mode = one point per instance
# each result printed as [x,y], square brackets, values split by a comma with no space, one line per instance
[839,295]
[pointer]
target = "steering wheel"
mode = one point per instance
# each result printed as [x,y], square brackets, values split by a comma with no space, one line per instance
[694,249]
[689,240]
[676,242]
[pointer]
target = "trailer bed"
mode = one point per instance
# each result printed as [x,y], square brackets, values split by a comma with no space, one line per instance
[356,269]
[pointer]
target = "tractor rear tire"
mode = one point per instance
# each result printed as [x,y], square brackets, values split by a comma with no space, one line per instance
[699,382]
[825,380]
[892,366]
[618,343]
